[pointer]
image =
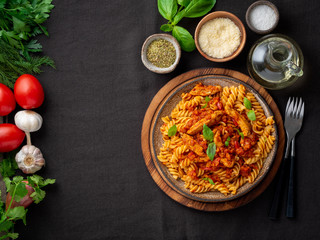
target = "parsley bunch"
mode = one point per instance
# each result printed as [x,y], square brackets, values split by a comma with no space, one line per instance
[21,20]
[17,188]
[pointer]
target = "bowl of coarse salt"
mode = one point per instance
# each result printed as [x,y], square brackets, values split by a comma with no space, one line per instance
[220,36]
[262,17]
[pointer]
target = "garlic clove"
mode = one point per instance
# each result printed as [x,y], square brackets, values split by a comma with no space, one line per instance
[28,121]
[30,159]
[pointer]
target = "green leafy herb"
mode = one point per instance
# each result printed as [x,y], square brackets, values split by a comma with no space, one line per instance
[175,10]
[247,103]
[168,8]
[210,180]
[184,38]
[17,189]
[207,99]
[211,150]
[240,133]
[13,65]
[251,115]
[8,165]
[22,20]
[227,142]
[207,133]
[172,131]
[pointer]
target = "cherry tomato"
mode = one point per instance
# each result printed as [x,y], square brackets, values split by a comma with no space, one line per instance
[28,92]
[7,101]
[11,137]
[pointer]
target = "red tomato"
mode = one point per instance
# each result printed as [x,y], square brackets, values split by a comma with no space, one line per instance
[28,92]
[7,101]
[11,137]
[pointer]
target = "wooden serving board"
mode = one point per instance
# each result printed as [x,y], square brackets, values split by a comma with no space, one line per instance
[146,143]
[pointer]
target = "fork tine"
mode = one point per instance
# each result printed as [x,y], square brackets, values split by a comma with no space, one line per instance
[302,111]
[294,114]
[288,103]
[299,108]
[290,108]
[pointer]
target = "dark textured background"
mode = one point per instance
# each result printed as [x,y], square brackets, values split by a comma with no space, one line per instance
[93,112]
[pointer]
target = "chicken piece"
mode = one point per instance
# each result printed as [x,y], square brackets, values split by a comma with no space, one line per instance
[227,163]
[198,126]
[202,90]
[242,122]
[193,145]
[217,139]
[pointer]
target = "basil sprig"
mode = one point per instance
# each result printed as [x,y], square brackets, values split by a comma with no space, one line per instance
[207,133]
[226,143]
[172,131]
[207,99]
[251,115]
[210,180]
[247,103]
[240,133]
[175,10]
[211,150]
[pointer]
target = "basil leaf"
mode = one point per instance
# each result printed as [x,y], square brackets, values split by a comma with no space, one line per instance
[184,3]
[247,103]
[196,8]
[251,115]
[167,8]
[240,133]
[184,38]
[209,179]
[227,142]
[207,99]
[205,105]
[207,133]
[172,131]
[166,27]
[211,150]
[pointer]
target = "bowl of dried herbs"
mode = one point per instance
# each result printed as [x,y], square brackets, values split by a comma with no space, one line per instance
[161,53]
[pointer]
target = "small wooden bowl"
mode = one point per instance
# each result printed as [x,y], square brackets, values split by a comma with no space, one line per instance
[233,18]
[255,4]
[152,67]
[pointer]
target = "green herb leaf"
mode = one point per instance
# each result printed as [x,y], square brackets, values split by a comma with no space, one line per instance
[38,195]
[207,133]
[207,99]
[227,142]
[247,103]
[16,213]
[251,115]
[172,131]
[21,191]
[240,133]
[5,226]
[184,38]
[211,150]
[168,8]
[8,166]
[184,3]
[166,27]
[211,181]
[196,8]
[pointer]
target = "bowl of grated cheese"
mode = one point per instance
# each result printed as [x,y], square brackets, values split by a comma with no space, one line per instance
[220,36]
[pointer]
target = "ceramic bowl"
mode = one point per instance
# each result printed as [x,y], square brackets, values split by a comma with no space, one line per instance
[152,67]
[221,14]
[255,4]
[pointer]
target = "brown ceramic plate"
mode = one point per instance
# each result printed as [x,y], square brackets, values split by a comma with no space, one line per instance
[156,139]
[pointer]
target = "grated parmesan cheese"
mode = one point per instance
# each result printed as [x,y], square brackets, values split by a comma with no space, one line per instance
[219,38]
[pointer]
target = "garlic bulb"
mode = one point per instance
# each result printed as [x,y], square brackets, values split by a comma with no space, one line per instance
[30,159]
[28,121]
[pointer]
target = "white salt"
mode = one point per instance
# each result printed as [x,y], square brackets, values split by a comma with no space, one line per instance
[262,17]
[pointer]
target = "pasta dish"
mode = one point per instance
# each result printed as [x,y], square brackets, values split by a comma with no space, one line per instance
[216,139]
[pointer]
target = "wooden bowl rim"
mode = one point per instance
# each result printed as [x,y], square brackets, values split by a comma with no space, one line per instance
[257,3]
[233,18]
